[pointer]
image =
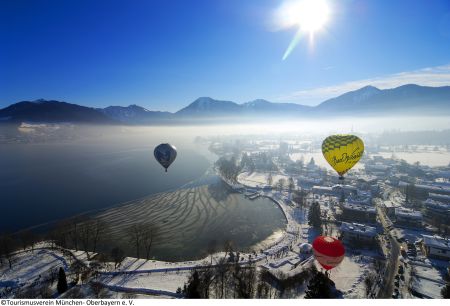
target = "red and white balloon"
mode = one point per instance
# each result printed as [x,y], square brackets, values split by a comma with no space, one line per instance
[328,251]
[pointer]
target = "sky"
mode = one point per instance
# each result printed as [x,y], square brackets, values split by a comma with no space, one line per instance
[164,54]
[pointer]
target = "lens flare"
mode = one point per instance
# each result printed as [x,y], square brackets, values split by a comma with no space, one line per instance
[309,16]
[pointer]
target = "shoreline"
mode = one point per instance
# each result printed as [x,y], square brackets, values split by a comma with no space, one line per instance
[289,230]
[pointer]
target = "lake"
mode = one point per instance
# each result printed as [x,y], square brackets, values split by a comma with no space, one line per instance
[187,221]
[116,178]
[43,182]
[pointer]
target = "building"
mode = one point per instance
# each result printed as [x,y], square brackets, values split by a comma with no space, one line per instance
[323,190]
[440,197]
[435,188]
[389,208]
[355,233]
[378,170]
[436,210]
[361,198]
[408,217]
[358,213]
[308,182]
[347,190]
[436,247]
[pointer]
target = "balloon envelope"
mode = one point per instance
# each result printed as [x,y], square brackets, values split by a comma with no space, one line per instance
[342,152]
[165,154]
[328,251]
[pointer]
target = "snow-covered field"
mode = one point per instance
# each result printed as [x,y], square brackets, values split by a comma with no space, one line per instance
[349,275]
[432,159]
[30,266]
[319,160]
[255,179]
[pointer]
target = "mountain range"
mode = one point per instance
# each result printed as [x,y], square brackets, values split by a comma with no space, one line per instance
[367,101]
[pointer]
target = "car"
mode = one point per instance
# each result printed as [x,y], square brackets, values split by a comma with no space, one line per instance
[401,270]
[402,277]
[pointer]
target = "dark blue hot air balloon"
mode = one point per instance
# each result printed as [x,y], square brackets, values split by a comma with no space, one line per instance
[165,154]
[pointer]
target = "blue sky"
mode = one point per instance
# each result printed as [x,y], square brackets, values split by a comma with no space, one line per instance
[165,54]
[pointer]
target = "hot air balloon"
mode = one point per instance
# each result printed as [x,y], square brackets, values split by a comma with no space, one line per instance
[165,154]
[328,251]
[342,152]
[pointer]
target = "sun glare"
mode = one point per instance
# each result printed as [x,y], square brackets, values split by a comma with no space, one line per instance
[308,16]
[312,15]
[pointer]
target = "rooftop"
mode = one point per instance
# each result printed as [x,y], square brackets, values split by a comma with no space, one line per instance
[359,228]
[436,204]
[358,207]
[442,197]
[436,241]
[390,204]
[408,213]
[322,188]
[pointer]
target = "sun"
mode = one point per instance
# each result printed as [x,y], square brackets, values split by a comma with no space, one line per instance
[311,15]
[307,16]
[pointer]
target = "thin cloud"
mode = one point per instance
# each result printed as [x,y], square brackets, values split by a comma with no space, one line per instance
[431,76]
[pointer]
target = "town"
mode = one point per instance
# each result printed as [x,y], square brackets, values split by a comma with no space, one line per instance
[394,214]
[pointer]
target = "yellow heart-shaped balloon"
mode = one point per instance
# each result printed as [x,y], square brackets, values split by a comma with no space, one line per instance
[342,152]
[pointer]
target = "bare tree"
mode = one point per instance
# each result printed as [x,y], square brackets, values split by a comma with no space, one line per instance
[118,255]
[73,234]
[77,268]
[221,277]
[269,179]
[370,284]
[136,231]
[244,281]
[148,238]
[27,239]
[96,288]
[45,291]
[84,233]
[7,247]
[59,235]
[291,184]
[98,228]
[280,184]
[212,248]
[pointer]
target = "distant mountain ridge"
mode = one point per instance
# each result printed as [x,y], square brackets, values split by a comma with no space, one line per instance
[133,114]
[407,100]
[51,112]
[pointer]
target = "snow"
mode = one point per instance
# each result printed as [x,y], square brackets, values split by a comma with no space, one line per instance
[427,288]
[319,160]
[432,159]
[349,275]
[151,283]
[255,179]
[28,266]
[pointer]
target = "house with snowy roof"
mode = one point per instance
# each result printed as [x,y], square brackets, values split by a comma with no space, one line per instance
[436,247]
[408,217]
[355,233]
[358,213]
[437,210]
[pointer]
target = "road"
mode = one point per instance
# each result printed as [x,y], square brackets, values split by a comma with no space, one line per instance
[388,288]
